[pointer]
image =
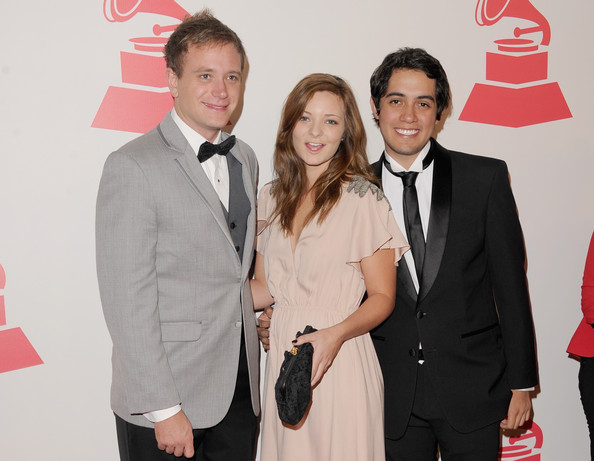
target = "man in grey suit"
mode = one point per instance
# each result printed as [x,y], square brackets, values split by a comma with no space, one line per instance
[175,237]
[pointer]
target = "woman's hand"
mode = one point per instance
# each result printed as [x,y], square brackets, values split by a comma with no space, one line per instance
[326,344]
[380,279]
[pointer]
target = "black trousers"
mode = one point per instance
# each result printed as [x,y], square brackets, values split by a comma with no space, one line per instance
[428,433]
[586,385]
[233,439]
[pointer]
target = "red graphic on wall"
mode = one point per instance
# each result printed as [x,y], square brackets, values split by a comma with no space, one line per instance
[518,93]
[525,447]
[143,100]
[2,306]
[17,351]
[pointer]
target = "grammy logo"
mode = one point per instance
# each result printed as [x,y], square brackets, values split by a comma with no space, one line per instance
[524,447]
[17,351]
[518,93]
[144,100]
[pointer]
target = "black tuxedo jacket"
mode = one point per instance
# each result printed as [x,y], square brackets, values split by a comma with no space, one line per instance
[472,314]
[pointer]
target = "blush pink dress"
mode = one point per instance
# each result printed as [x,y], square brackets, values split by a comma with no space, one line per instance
[320,284]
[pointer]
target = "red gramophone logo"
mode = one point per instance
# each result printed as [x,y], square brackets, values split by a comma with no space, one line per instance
[518,93]
[17,351]
[525,447]
[143,99]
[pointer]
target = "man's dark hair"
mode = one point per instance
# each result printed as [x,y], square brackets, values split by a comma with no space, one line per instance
[411,59]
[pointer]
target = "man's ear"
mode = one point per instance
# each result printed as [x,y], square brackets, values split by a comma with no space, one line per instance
[172,82]
[373,109]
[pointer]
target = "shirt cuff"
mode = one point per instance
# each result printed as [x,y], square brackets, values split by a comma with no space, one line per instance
[161,415]
[528,389]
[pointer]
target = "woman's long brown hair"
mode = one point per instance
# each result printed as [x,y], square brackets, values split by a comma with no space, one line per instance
[290,184]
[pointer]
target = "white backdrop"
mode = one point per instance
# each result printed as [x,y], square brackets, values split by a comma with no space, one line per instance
[56,63]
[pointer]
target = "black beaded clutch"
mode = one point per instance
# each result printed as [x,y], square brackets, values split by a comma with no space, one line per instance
[293,386]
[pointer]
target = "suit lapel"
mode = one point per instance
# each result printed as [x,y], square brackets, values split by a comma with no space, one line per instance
[404,278]
[377,169]
[439,217]
[190,167]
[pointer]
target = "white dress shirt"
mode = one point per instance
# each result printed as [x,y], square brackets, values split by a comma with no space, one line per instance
[393,189]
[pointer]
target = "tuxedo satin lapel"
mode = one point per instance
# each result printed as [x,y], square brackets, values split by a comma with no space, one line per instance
[377,169]
[194,173]
[441,198]
[404,277]
[405,280]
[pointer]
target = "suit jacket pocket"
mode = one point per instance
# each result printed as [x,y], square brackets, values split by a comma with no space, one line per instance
[479,331]
[181,331]
[484,344]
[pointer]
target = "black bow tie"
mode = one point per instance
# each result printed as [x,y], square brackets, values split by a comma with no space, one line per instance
[208,149]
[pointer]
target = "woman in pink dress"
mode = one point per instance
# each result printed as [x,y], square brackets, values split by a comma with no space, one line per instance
[326,235]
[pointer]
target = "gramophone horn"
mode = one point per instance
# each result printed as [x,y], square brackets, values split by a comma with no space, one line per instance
[122,10]
[488,12]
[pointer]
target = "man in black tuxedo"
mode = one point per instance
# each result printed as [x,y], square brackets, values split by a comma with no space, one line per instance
[457,353]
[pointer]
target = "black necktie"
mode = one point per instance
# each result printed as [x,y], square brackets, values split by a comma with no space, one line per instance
[412,216]
[208,149]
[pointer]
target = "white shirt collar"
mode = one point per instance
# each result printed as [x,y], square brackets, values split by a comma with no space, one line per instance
[194,138]
[417,165]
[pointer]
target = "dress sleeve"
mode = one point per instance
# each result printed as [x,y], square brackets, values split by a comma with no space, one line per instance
[375,228]
[262,213]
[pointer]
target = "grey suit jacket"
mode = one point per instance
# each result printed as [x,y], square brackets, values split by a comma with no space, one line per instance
[174,293]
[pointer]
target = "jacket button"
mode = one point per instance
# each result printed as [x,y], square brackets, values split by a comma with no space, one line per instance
[412,352]
[420,314]
[237,248]
[232,225]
